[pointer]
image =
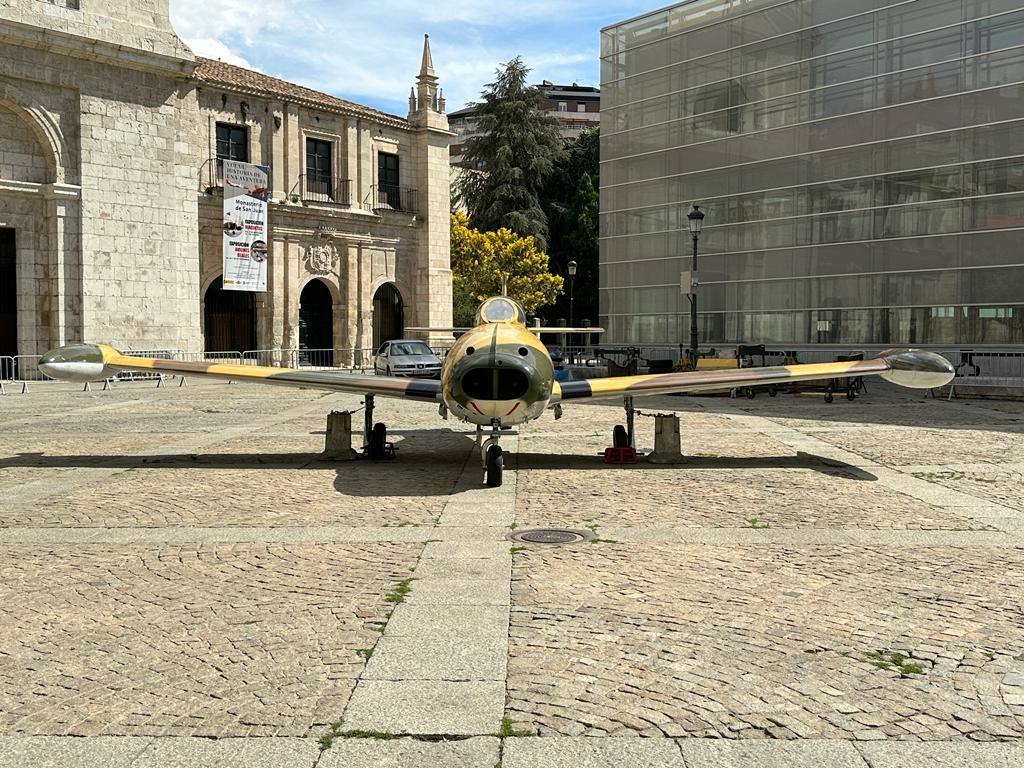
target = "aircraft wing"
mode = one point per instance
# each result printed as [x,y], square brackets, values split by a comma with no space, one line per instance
[915,368]
[95,362]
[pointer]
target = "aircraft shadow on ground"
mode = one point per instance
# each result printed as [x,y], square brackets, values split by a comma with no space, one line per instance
[553,461]
[423,468]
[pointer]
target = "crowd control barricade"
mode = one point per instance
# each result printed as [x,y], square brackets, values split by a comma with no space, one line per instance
[986,372]
[6,372]
[26,368]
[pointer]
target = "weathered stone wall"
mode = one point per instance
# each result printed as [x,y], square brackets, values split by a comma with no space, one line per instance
[118,238]
[21,157]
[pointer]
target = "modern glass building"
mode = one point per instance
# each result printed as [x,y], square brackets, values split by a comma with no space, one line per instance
[861,164]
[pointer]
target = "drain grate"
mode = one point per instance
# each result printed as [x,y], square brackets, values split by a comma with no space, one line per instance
[550,536]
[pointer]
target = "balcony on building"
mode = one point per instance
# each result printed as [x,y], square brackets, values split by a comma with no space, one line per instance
[391,197]
[321,189]
[211,175]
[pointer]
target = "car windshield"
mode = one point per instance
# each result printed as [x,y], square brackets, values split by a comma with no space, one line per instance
[410,348]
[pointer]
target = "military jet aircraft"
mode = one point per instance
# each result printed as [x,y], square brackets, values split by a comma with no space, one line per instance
[499,375]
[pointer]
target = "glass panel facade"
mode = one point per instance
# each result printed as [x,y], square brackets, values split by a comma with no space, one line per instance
[860,162]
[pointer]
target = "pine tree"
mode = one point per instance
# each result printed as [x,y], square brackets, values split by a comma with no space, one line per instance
[515,153]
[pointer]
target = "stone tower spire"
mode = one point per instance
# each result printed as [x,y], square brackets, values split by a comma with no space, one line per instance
[426,109]
[432,263]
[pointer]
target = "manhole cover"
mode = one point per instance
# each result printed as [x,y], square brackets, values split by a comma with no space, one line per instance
[550,536]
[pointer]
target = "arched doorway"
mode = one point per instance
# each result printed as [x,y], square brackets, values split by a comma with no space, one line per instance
[316,323]
[388,315]
[230,319]
[8,303]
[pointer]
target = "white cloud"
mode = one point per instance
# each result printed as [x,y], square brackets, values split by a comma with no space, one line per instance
[370,52]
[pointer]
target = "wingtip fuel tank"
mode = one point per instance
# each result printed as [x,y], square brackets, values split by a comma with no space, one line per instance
[917,368]
[78,362]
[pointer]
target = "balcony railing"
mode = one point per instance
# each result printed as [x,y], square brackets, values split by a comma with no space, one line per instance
[387,197]
[317,188]
[211,175]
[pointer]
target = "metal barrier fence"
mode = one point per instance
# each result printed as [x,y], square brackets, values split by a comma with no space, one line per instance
[986,370]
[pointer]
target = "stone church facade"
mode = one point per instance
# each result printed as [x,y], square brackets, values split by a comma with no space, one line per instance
[112,137]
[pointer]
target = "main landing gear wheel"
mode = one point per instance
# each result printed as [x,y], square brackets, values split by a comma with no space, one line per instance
[620,438]
[494,464]
[378,442]
[828,397]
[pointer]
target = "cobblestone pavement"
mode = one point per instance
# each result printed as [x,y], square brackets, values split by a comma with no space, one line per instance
[180,563]
[204,640]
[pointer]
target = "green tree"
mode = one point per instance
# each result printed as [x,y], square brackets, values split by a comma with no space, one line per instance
[515,153]
[480,260]
[571,202]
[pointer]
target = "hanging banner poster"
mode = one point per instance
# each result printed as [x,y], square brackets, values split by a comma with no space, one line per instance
[246,191]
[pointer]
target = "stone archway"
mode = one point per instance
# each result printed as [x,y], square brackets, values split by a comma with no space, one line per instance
[388,315]
[44,127]
[316,323]
[229,319]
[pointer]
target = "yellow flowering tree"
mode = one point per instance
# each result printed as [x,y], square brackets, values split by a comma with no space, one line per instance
[481,259]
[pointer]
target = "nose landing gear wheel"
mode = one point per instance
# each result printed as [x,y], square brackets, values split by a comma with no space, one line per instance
[620,438]
[378,442]
[494,465]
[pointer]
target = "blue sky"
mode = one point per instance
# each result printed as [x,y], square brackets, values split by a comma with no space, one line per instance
[369,51]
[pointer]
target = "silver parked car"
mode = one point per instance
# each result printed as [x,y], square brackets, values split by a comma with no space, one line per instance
[406,357]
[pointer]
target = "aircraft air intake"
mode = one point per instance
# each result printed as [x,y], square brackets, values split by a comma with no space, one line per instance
[495,383]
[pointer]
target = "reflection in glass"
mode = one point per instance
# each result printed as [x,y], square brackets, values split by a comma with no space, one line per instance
[862,163]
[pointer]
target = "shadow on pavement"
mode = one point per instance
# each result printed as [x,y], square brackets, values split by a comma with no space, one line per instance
[552,461]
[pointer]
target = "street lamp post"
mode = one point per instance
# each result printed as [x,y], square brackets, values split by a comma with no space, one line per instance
[572,295]
[696,217]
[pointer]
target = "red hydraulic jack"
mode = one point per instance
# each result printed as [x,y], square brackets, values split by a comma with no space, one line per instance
[625,455]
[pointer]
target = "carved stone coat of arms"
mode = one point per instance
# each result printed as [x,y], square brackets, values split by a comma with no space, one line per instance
[321,259]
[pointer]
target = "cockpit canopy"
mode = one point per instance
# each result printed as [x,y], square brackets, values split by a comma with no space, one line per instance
[500,309]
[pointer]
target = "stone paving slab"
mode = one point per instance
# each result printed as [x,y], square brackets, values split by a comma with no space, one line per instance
[467,708]
[460,592]
[461,655]
[946,755]
[481,752]
[590,753]
[706,753]
[229,753]
[484,622]
[64,752]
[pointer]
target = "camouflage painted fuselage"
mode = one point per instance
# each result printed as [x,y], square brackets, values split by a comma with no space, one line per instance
[497,374]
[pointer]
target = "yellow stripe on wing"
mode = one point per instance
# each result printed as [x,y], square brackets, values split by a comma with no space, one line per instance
[729,378]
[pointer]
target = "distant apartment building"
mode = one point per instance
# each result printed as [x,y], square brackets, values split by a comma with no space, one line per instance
[575,107]
[860,162]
